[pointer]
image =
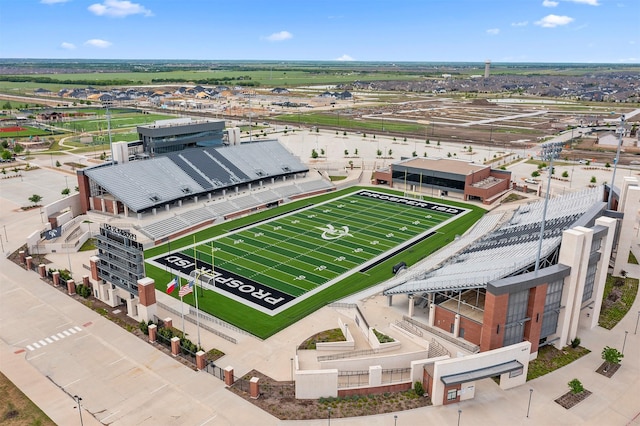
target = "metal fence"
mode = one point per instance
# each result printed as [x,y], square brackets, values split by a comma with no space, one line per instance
[214,370]
[351,379]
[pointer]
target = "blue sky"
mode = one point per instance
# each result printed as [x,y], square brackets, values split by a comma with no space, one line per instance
[583,31]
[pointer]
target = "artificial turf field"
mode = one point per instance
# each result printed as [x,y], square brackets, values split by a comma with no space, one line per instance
[274,267]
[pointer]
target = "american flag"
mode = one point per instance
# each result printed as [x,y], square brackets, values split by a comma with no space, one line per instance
[186,289]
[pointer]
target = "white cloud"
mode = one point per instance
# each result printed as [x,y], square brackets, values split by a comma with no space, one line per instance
[549,3]
[493,31]
[552,21]
[520,24]
[345,57]
[68,46]
[589,2]
[53,1]
[119,9]
[96,42]
[280,36]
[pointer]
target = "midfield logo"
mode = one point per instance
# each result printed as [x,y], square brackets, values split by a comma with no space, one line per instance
[331,233]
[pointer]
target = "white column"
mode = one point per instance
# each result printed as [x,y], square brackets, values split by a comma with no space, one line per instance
[432,315]
[411,305]
[603,267]
[570,255]
[627,233]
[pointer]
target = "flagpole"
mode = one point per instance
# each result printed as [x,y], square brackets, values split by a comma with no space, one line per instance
[181,305]
[197,311]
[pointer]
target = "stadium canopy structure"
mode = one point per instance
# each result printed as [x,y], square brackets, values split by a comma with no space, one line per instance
[147,184]
[509,250]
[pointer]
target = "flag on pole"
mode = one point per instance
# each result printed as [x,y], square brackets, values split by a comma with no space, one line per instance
[186,289]
[172,285]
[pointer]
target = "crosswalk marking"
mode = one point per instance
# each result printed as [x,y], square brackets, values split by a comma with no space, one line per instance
[54,338]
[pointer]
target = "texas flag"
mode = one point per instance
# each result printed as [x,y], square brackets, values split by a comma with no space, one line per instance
[172,285]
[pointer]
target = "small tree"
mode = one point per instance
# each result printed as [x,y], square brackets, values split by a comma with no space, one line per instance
[356,151]
[314,153]
[379,153]
[346,152]
[611,356]
[66,192]
[576,386]
[344,133]
[58,163]
[438,143]
[565,174]
[414,154]
[405,139]
[390,152]
[35,199]
[535,174]
[607,165]
[428,142]
[588,162]
[593,179]
[449,154]
[418,388]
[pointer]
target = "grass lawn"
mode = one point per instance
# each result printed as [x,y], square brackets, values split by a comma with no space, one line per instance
[331,270]
[632,259]
[550,359]
[18,410]
[619,295]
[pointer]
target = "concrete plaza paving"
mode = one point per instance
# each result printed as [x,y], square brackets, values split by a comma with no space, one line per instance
[125,381]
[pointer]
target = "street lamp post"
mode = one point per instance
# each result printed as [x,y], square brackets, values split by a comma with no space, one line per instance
[637,320]
[78,399]
[529,406]
[624,342]
[459,412]
[395,420]
[329,416]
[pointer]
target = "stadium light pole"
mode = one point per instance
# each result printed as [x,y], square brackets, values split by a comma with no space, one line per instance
[615,161]
[549,150]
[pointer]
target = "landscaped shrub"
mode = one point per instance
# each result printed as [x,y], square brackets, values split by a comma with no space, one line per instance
[418,388]
[575,342]
[83,290]
[576,386]
[383,338]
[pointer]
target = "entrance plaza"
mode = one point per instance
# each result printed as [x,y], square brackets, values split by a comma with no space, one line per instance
[123,380]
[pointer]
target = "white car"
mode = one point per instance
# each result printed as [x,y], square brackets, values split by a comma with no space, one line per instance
[531,181]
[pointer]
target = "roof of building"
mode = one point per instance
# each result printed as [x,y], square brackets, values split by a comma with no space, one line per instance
[461,167]
[511,248]
[145,184]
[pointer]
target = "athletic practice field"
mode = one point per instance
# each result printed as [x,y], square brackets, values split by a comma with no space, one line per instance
[306,256]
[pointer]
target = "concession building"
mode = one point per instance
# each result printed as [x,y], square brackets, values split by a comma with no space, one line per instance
[439,176]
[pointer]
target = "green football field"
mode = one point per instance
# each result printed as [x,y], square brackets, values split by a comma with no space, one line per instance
[306,256]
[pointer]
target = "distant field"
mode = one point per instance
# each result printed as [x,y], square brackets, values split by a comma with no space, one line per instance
[25,132]
[280,77]
[118,121]
[271,273]
[368,125]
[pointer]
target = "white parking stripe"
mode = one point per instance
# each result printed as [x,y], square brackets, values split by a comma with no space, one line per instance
[30,347]
[77,328]
[66,333]
[42,342]
[35,345]
[54,337]
[73,330]
[48,340]
[60,335]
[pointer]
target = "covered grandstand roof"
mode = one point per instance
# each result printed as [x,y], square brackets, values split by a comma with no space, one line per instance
[510,248]
[145,184]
